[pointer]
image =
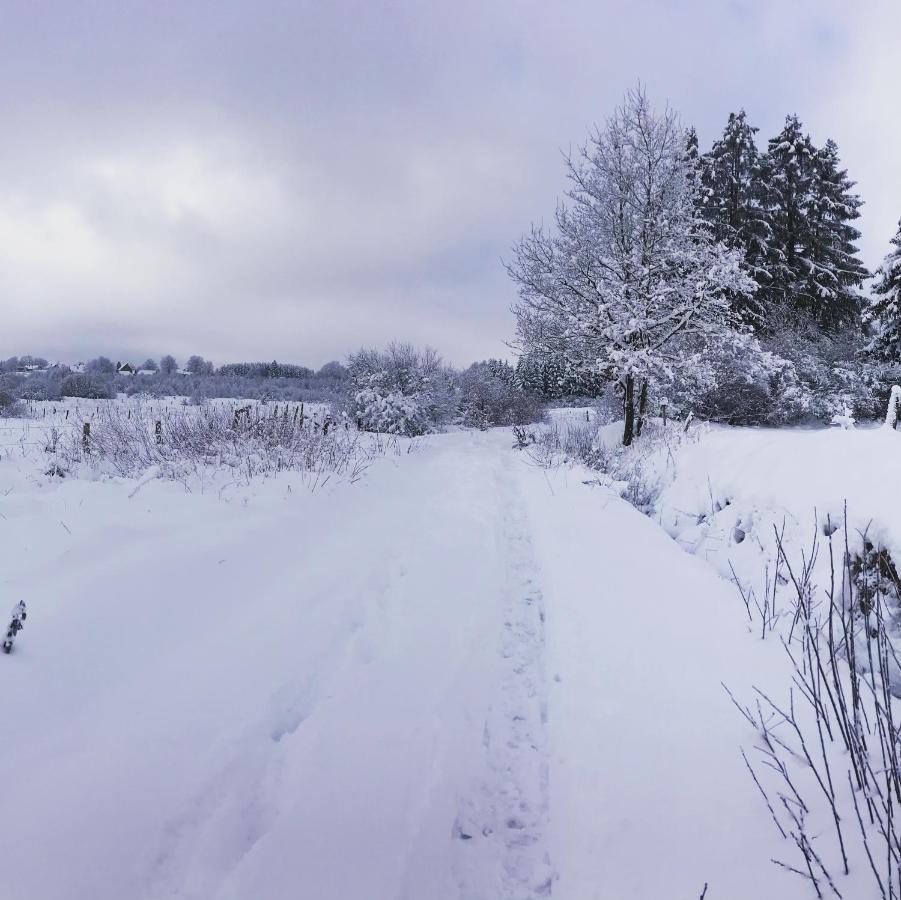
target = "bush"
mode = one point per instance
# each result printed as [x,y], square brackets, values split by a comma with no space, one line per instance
[84,387]
[10,407]
[254,441]
[489,396]
[400,390]
[743,384]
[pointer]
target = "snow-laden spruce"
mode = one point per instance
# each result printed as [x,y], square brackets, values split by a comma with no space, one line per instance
[733,202]
[884,313]
[631,284]
[812,267]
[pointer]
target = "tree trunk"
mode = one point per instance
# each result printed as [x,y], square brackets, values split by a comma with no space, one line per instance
[629,409]
[642,406]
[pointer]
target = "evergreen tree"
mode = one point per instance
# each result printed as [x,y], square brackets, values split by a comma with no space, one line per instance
[884,313]
[812,268]
[786,177]
[836,276]
[731,202]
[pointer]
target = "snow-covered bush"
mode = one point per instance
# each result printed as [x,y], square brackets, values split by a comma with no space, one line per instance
[84,387]
[10,407]
[833,372]
[740,383]
[399,390]
[125,439]
[637,474]
[489,395]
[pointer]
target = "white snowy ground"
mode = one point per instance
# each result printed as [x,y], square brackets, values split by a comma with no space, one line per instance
[461,677]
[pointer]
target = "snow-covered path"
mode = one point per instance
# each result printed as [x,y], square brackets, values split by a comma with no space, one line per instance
[459,678]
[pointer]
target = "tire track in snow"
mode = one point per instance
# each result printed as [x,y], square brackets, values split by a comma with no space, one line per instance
[224,819]
[502,824]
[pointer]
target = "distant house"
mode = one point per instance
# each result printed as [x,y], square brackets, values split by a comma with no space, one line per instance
[183,372]
[146,371]
[78,367]
[126,369]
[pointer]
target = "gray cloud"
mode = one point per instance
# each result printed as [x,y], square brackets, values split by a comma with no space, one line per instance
[294,179]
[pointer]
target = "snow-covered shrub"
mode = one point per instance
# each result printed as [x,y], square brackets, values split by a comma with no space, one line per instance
[832,371]
[127,440]
[10,407]
[399,390]
[638,473]
[489,395]
[84,387]
[740,383]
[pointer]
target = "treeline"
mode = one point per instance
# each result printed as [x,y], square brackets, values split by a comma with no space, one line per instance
[398,390]
[32,378]
[790,211]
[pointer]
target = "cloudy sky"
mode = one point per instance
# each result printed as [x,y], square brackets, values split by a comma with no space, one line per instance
[291,180]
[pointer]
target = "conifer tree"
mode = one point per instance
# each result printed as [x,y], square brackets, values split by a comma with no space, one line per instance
[731,201]
[810,258]
[786,177]
[884,313]
[836,275]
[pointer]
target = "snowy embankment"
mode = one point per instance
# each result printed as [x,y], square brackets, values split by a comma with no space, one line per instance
[728,492]
[461,677]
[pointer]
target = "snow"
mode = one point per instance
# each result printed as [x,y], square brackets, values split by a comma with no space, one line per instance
[463,676]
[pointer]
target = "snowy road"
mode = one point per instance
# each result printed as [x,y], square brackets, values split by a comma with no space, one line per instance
[462,677]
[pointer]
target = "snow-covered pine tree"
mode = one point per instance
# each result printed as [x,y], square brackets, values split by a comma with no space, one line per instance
[631,281]
[884,312]
[786,177]
[731,203]
[835,279]
[811,257]
[17,623]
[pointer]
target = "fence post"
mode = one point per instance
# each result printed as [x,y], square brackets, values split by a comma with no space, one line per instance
[158,429]
[86,437]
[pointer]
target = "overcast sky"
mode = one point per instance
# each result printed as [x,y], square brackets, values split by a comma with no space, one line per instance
[291,180]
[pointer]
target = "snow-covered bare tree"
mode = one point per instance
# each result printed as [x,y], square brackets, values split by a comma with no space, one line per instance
[630,283]
[884,313]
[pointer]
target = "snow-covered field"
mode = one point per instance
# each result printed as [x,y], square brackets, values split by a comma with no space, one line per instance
[462,676]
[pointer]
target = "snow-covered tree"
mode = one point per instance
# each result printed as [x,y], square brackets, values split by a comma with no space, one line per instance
[813,270]
[731,202]
[197,365]
[399,390]
[489,395]
[836,275]
[631,280]
[168,365]
[884,312]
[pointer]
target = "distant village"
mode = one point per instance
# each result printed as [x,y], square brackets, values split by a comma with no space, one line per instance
[126,368]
